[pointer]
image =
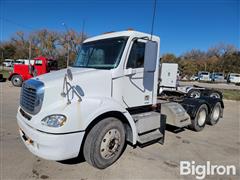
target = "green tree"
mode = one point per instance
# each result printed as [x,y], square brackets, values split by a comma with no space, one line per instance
[7,51]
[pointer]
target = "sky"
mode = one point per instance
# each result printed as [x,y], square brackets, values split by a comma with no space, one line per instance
[181,24]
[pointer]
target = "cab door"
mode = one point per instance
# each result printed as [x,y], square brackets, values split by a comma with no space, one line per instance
[39,67]
[135,92]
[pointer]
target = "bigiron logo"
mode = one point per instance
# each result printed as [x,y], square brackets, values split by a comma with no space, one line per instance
[201,171]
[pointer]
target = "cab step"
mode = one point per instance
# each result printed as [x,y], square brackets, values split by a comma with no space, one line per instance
[150,137]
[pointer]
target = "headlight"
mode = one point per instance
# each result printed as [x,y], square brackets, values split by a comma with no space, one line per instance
[55,120]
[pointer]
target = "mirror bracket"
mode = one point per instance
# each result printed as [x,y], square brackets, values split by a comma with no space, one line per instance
[67,88]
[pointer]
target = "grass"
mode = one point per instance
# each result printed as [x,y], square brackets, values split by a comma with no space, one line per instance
[230,94]
[5,73]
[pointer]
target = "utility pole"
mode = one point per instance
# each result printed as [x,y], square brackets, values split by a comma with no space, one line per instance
[30,50]
[67,54]
[68,41]
[2,59]
[83,25]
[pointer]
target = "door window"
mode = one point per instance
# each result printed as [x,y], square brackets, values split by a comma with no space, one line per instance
[136,57]
[38,62]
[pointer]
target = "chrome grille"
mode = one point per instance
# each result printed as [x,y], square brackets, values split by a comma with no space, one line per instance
[32,94]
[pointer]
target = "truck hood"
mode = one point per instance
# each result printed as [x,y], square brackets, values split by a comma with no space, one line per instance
[56,75]
[93,82]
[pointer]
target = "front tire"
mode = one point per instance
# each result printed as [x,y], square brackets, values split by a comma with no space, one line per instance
[16,80]
[199,122]
[104,143]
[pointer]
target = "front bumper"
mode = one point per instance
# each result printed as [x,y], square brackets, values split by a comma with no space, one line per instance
[50,146]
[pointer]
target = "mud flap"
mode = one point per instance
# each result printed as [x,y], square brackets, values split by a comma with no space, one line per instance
[162,129]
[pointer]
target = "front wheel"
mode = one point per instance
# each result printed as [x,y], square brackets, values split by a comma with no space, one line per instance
[104,143]
[17,80]
[198,123]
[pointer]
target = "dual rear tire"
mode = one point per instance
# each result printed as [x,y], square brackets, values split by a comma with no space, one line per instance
[215,115]
[199,122]
[203,117]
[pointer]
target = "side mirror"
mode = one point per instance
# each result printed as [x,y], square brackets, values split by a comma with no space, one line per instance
[150,56]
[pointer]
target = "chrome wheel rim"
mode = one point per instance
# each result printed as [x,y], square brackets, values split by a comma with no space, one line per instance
[195,94]
[110,144]
[215,95]
[202,117]
[16,81]
[216,113]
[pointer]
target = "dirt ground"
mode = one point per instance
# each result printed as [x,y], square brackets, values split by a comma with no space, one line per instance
[219,144]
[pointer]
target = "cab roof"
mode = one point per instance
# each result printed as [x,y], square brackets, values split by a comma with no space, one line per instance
[128,33]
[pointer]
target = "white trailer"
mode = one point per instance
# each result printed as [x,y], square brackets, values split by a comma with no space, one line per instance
[24,61]
[168,83]
[107,99]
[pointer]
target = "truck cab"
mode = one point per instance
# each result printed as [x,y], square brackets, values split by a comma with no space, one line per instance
[106,99]
[25,71]
[8,62]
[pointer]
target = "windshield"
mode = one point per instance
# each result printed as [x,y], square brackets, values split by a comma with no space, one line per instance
[38,62]
[219,74]
[101,54]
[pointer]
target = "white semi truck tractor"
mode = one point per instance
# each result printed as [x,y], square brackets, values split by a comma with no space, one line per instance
[106,99]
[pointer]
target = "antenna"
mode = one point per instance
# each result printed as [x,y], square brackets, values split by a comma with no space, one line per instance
[83,26]
[153,18]
[70,39]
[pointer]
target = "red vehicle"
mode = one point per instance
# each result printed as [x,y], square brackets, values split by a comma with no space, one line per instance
[23,72]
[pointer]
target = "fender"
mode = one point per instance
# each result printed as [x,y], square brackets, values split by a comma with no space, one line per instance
[191,105]
[12,74]
[211,102]
[106,105]
[207,92]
